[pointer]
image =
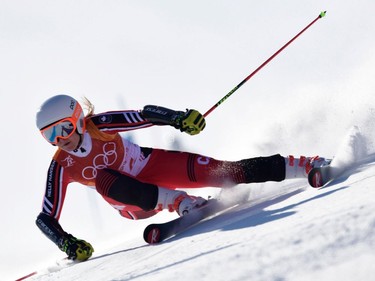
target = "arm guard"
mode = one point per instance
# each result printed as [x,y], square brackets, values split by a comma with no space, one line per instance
[162,116]
[51,228]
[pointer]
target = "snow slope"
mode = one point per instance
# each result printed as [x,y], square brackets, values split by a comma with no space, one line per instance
[287,231]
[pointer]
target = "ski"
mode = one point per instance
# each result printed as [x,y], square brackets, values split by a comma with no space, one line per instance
[321,176]
[158,232]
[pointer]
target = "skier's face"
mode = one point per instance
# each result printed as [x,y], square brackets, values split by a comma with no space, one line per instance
[70,143]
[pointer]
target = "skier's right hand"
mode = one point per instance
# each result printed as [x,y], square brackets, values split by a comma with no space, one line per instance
[191,122]
[76,249]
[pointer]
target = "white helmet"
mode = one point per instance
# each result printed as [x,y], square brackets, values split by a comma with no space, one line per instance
[60,107]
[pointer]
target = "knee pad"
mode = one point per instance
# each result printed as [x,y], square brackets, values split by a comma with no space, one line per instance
[105,178]
[126,189]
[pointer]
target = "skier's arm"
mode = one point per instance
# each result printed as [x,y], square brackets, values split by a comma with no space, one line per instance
[51,228]
[120,121]
[190,121]
[47,220]
[76,249]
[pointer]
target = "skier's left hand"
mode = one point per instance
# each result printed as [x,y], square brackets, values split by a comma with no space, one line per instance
[192,122]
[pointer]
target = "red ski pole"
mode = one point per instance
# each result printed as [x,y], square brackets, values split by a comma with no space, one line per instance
[27,276]
[322,14]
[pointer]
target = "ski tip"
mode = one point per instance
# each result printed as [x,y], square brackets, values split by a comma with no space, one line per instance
[315,178]
[152,234]
[320,176]
[322,14]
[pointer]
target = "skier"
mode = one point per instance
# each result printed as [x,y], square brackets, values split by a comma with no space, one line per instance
[138,181]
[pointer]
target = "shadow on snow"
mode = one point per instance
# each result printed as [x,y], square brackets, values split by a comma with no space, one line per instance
[250,216]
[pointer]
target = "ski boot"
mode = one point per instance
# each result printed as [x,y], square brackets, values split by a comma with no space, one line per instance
[300,167]
[178,201]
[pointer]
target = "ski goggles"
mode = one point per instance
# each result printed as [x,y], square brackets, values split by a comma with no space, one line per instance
[61,129]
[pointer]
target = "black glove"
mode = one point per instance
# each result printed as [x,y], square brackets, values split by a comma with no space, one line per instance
[76,249]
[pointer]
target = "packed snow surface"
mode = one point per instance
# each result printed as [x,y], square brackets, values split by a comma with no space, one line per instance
[286,231]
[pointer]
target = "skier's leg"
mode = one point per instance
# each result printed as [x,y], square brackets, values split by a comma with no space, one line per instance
[130,191]
[189,170]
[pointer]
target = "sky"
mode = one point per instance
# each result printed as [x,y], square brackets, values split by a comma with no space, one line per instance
[126,54]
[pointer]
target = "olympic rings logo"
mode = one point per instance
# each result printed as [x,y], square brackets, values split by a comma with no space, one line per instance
[101,161]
